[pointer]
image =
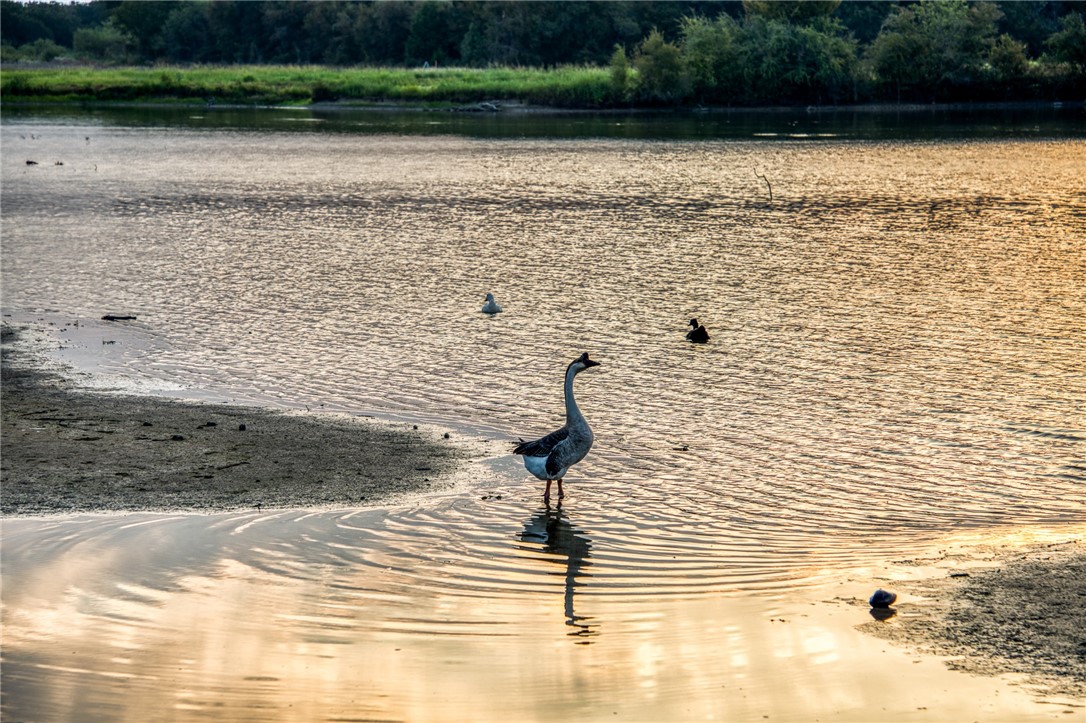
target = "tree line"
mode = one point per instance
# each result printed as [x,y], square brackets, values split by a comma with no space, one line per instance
[754,52]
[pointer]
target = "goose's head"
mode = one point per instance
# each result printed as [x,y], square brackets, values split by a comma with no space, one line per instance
[489,296]
[694,323]
[581,363]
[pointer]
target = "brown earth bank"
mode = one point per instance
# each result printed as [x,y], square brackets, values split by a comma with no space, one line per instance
[1026,616]
[65,450]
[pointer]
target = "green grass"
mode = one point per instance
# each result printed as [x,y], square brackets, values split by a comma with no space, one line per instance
[571,87]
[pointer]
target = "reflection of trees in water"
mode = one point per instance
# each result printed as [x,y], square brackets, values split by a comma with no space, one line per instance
[552,527]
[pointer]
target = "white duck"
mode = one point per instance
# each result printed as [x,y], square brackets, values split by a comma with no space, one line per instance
[491,306]
[551,456]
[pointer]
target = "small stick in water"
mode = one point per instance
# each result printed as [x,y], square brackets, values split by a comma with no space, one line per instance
[759,175]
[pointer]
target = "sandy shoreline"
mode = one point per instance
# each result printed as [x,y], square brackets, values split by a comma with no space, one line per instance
[67,451]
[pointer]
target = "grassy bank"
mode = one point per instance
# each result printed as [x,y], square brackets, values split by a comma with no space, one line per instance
[570,87]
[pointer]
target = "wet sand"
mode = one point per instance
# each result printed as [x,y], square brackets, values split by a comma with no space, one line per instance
[65,450]
[1024,615]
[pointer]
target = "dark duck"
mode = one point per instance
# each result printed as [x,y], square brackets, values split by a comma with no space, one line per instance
[698,334]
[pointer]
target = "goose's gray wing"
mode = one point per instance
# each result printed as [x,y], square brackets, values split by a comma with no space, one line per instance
[543,446]
[563,455]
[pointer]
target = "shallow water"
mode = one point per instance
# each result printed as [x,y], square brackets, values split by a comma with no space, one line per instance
[357,616]
[898,352]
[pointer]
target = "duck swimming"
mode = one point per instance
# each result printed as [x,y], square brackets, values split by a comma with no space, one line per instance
[551,456]
[491,306]
[699,334]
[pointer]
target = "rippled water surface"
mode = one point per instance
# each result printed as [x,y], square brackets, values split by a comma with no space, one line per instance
[898,352]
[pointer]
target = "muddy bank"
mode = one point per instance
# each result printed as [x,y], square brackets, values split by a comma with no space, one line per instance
[1026,615]
[66,450]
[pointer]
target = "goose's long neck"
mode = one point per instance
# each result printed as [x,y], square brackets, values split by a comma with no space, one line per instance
[573,412]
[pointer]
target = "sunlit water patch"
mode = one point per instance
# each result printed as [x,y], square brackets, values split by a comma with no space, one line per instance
[422,613]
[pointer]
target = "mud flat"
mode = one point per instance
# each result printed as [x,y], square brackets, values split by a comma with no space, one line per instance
[1025,615]
[66,450]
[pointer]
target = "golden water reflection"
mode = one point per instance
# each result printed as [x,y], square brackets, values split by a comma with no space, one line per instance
[181,618]
[552,528]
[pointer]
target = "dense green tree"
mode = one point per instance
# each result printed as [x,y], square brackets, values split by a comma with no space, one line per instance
[794,12]
[788,63]
[863,18]
[332,21]
[711,49]
[105,43]
[186,34]
[934,48]
[21,27]
[1031,22]
[1008,59]
[41,50]
[23,23]
[284,31]
[381,32]
[661,70]
[768,57]
[237,32]
[1069,43]
[436,33]
[620,73]
[474,50]
[144,21]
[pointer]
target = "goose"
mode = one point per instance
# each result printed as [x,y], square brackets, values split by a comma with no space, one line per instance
[491,306]
[698,334]
[551,456]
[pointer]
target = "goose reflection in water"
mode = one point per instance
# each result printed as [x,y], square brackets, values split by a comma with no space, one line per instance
[551,527]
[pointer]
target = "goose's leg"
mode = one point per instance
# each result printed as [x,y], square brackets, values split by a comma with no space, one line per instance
[547,492]
[561,494]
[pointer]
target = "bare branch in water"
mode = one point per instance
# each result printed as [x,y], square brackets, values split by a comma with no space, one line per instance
[759,175]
